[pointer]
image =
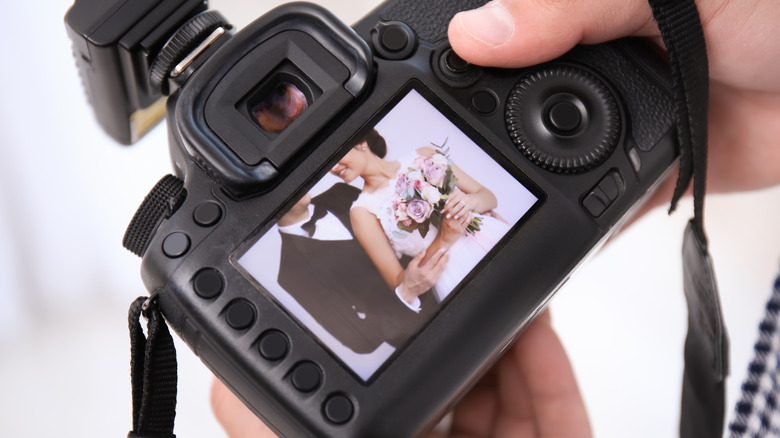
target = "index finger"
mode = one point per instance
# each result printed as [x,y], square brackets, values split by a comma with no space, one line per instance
[517,33]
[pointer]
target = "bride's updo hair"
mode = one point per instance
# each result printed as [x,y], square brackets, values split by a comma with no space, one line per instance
[376,143]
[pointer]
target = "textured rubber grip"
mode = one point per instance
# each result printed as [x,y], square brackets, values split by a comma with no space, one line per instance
[161,202]
[428,18]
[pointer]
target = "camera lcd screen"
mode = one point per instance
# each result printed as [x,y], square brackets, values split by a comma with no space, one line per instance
[336,259]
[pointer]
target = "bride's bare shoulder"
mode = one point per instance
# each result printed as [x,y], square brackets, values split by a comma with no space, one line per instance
[363,219]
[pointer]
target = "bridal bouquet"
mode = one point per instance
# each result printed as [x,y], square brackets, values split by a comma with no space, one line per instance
[423,189]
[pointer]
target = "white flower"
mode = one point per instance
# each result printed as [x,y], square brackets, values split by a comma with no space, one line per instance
[440,160]
[416,175]
[431,194]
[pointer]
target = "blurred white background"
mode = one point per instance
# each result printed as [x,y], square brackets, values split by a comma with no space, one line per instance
[68,192]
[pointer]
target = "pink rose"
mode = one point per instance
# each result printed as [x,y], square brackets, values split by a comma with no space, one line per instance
[399,208]
[436,175]
[435,169]
[418,210]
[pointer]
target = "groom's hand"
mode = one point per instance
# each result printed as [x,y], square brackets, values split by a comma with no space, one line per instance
[422,274]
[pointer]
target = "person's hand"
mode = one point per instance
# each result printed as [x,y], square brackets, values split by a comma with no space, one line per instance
[235,418]
[743,46]
[527,393]
[453,228]
[422,273]
[530,392]
[458,204]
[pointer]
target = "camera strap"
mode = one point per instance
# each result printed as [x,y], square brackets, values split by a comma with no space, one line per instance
[706,350]
[152,371]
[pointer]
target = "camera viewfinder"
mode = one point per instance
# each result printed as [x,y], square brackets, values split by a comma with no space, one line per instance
[279,108]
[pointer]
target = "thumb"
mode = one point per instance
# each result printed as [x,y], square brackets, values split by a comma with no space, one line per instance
[517,33]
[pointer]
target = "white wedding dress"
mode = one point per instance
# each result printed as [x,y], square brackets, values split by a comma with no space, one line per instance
[465,254]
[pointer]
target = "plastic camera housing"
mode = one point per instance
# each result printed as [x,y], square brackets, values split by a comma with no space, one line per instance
[570,148]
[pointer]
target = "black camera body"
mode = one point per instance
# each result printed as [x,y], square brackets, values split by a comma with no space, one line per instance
[570,148]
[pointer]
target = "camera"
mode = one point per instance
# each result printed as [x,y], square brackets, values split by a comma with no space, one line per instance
[376,130]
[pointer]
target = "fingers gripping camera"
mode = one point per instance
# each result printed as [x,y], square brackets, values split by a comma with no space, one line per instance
[360,221]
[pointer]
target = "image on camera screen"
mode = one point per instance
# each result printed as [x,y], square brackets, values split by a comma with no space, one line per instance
[336,259]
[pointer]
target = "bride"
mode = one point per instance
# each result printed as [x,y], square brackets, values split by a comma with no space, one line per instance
[376,227]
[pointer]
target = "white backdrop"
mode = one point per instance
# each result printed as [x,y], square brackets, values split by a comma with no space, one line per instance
[68,192]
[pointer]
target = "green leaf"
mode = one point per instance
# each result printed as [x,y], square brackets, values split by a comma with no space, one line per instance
[475,225]
[405,228]
[436,218]
[423,227]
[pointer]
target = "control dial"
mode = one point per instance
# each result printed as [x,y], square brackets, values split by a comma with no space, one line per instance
[563,119]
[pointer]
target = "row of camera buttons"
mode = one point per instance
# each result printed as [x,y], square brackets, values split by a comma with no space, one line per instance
[394,40]
[273,345]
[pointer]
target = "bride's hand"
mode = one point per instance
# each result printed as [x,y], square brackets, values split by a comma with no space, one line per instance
[453,227]
[459,204]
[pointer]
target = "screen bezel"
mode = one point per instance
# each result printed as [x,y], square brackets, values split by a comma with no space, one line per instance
[486,147]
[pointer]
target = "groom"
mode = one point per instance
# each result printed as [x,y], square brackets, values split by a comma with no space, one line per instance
[329,274]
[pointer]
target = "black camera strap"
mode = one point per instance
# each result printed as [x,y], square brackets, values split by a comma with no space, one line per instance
[152,371]
[153,361]
[706,344]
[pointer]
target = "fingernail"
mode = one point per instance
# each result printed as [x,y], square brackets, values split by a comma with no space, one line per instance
[491,24]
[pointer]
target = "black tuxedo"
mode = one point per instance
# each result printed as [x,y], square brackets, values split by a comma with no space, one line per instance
[338,284]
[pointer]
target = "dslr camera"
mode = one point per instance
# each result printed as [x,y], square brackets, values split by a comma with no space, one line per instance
[317,167]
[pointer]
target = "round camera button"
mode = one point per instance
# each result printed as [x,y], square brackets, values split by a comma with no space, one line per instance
[208,283]
[273,345]
[240,314]
[455,63]
[207,214]
[394,38]
[306,376]
[484,102]
[453,70]
[564,117]
[338,409]
[176,245]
